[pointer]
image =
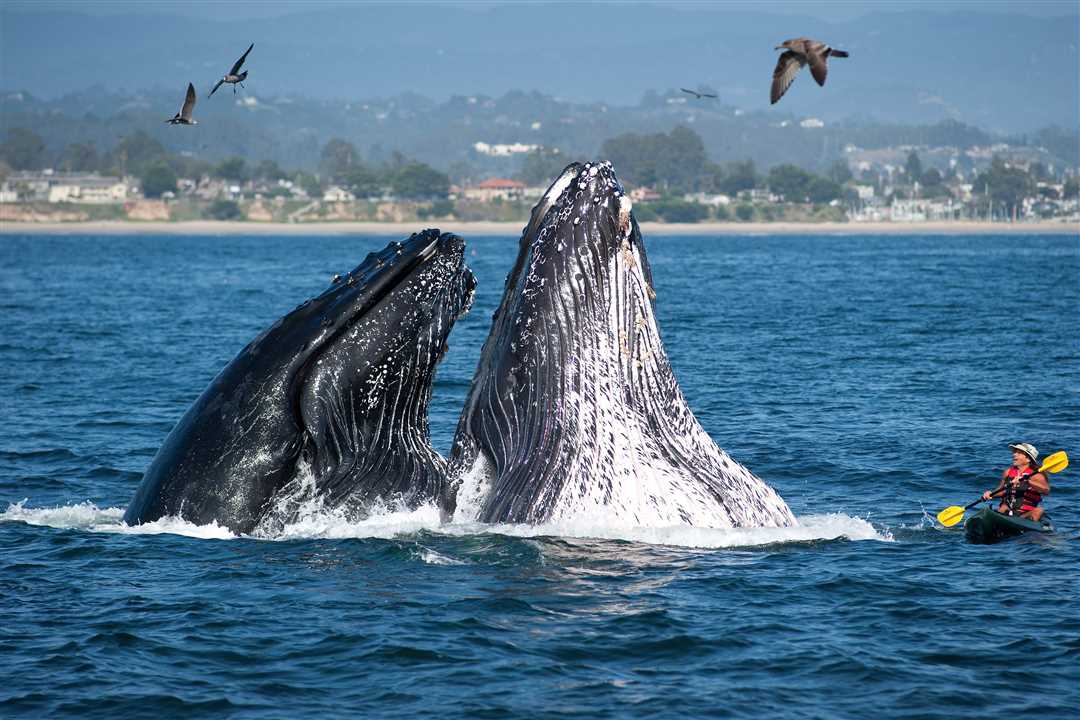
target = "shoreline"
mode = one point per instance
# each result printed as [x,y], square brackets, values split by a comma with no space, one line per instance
[215,227]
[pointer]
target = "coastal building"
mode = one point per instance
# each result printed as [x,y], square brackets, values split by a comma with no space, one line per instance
[89,189]
[710,199]
[758,195]
[503,150]
[865,192]
[904,210]
[210,188]
[337,194]
[644,194]
[54,187]
[534,192]
[493,188]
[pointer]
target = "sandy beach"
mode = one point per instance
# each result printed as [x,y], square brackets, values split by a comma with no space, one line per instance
[210,227]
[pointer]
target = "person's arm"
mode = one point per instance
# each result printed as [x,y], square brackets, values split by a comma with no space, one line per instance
[991,493]
[1041,483]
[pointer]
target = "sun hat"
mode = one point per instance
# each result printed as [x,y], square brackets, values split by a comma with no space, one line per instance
[1026,448]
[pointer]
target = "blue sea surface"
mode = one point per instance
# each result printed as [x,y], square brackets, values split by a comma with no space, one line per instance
[872,381]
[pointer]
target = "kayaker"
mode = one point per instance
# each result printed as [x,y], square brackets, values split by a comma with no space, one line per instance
[1023,484]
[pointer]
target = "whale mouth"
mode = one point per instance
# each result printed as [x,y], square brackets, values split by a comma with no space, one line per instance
[587,196]
[337,390]
[375,369]
[574,409]
[409,292]
[581,248]
[356,293]
[354,296]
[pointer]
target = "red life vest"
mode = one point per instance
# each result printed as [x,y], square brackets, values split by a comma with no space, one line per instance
[1030,498]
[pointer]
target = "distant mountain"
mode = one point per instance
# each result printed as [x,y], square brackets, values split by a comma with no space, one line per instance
[1001,72]
[292,130]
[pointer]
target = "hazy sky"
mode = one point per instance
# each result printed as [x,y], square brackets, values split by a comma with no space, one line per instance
[912,61]
[830,10]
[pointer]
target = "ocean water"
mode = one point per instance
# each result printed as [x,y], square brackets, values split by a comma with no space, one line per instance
[872,380]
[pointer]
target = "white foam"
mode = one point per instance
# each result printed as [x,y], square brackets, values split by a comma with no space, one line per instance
[392,524]
[810,528]
[88,516]
[432,557]
[332,525]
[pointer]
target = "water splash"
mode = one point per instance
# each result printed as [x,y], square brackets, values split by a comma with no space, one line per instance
[391,523]
[88,516]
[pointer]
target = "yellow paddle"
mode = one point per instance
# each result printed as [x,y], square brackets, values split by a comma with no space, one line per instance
[951,515]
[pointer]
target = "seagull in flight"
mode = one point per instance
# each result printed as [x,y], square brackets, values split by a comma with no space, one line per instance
[234,76]
[184,116]
[697,94]
[799,52]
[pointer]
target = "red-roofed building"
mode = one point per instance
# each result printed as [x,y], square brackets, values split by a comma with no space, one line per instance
[495,188]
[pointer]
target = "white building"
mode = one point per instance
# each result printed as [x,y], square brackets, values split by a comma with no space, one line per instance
[707,199]
[337,194]
[644,194]
[87,189]
[503,150]
[54,187]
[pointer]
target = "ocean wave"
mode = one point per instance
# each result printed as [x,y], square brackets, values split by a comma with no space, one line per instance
[329,525]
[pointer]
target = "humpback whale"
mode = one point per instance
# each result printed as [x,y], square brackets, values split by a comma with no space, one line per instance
[328,403]
[574,411]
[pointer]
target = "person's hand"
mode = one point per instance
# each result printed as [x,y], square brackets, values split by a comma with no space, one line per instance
[986,495]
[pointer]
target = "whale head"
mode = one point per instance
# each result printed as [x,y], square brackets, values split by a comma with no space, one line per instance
[574,409]
[332,398]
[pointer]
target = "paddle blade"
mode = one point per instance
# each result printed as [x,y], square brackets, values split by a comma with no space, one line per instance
[951,515]
[1055,463]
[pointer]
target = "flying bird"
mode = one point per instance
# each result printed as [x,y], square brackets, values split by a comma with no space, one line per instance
[799,52]
[234,76]
[184,116]
[697,94]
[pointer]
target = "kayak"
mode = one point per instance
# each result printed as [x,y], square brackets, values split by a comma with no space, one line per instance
[989,526]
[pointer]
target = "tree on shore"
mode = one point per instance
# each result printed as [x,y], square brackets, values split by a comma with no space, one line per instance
[223,210]
[23,149]
[542,166]
[1071,189]
[790,182]
[415,180]
[337,158]
[233,168]
[913,167]
[839,172]
[1006,185]
[362,181]
[739,176]
[80,157]
[672,161]
[135,153]
[269,170]
[309,183]
[157,179]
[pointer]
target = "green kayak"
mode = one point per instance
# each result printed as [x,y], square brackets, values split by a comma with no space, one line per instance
[989,526]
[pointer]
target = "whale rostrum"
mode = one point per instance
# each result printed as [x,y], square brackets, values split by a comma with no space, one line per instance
[574,411]
[329,404]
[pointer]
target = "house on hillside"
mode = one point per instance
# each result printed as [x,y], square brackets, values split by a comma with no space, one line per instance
[88,189]
[710,199]
[54,187]
[493,188]
[644,194]
[503,150]
[337,194]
